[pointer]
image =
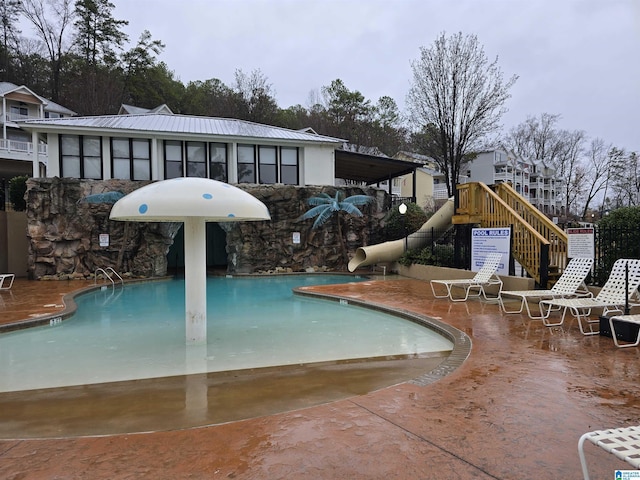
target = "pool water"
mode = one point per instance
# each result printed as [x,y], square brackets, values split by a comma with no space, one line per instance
[138,332]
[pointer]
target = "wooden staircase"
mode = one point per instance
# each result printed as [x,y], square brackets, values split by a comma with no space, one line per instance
[537,244]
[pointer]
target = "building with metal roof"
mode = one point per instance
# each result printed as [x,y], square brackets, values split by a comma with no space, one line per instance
[155,146]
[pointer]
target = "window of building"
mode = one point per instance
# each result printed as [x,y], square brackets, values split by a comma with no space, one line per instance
[173,159]
[52,115]
[218,161]
[289,165]
[18,112]
[246,164]
[131,158]
[196,159]
[80,156]
[268,167]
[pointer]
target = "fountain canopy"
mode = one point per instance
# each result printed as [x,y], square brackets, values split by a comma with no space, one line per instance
[174,200]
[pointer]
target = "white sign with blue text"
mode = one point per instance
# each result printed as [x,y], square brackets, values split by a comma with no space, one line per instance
[490,240]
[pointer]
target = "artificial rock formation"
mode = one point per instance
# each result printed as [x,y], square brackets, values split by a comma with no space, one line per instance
[64,232]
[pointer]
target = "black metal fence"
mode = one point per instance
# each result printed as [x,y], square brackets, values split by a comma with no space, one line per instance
[612,243]
[451,247]
[444,247]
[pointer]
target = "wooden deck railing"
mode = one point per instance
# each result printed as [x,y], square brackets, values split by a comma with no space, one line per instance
[477,203]
[539,221]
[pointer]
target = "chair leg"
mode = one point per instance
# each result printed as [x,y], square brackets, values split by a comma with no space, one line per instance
[532,317]
[511,311]
[583,460]
[584,316]
[435,295]
[545,316]
[484,294]
[461,299]
[615,337]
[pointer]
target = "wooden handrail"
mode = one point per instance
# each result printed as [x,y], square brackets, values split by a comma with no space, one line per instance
[539,221]
[530,248]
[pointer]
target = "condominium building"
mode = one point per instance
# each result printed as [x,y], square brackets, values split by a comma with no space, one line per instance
[535,180]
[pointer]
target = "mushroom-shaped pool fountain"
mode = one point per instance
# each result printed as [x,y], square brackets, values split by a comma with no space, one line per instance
[193,201]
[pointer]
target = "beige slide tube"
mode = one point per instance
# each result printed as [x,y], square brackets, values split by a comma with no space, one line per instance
[391,251]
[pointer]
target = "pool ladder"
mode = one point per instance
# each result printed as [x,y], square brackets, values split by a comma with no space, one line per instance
[109,273]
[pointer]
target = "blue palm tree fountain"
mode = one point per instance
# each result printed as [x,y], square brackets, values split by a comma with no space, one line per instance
[325,207]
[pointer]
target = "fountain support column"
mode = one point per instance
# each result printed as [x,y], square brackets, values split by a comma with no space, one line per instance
[193,201]
[195,274]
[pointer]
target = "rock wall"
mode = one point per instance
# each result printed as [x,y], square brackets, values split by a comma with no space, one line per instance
[64,232]
[268,246]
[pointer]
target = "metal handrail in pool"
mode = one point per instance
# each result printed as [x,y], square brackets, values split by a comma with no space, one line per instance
[106,274]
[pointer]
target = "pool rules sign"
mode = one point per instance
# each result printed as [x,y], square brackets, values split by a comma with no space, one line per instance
[490,240]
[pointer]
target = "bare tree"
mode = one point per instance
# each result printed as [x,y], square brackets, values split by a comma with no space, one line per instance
[536,138]
[568,167]
[51,18]
[458,96]
[597,164]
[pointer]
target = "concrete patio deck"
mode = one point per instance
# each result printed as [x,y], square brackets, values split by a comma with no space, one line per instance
[515,409]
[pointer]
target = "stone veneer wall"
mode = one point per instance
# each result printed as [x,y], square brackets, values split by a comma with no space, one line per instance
[64,232]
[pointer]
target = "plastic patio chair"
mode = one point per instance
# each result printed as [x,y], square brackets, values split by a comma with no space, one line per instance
[624,443]
[570,284]
[613,297]
[485,277]
[632,319]
[6,280]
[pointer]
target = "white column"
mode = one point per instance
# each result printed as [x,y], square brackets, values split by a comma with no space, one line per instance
[106,158]
[195,274]
[35,161]
[232,162]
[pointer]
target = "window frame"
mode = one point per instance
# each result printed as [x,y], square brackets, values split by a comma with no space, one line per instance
[264,168]
[252,163]
[211,162]
[132,158]
[82,157]
[187,149]
[179,143]
[283,165]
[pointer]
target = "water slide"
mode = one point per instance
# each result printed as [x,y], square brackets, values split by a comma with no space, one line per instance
[391,251]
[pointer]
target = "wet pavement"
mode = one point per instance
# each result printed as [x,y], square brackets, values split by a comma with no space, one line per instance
[514,409]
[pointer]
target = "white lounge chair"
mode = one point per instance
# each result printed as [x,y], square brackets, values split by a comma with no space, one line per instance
[570,284]
[485,277]
[624,443]
[632,319]
[612,297]
[6,280]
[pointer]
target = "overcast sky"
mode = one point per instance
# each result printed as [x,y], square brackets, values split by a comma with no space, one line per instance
[576,58]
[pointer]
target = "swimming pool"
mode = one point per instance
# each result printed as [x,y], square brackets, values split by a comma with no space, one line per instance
[137,332]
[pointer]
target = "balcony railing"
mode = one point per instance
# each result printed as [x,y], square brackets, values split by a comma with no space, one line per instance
[13,117]
[440,191]
[21,149]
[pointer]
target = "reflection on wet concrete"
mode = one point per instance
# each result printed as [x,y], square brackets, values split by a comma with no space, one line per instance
[195,400]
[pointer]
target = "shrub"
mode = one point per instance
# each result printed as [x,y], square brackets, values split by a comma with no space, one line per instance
[17,189]
[440,256]
[628,217]
[395,224]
